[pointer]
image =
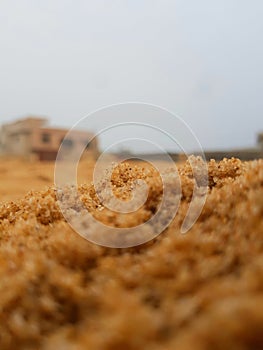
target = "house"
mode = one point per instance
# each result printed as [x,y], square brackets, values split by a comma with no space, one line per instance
[32,138]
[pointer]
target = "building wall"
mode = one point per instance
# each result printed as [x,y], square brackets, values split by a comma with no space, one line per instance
[46,143]
[30,137]
[51,144]
[15,140]
[19,144]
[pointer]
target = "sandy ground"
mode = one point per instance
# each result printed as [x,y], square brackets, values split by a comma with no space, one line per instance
[202,290]
[17,177]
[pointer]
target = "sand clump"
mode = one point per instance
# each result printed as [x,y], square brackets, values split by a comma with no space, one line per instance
[201,290]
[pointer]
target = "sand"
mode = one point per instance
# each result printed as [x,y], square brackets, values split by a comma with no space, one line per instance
[201,290]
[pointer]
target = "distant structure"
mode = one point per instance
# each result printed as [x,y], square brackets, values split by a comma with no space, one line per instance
[32,138]
[241,153]
[260,141]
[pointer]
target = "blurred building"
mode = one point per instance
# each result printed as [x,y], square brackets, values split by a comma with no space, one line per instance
[32,138]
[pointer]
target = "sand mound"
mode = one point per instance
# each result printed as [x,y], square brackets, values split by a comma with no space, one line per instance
[201,290]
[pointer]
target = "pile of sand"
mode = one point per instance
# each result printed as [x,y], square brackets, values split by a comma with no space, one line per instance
[201,290]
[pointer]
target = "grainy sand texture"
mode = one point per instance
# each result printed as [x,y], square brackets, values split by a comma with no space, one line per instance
[199,291]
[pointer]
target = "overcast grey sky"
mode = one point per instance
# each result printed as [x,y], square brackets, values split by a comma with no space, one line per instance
[202,60]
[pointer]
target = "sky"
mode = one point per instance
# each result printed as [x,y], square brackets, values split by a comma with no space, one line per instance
[201,60]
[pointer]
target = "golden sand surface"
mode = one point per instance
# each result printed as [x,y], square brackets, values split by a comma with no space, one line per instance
[17,176]
[201,290]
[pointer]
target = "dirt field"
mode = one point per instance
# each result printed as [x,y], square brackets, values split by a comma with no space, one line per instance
[19,177]
[202,290]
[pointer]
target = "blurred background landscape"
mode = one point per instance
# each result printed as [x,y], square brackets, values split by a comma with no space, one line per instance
[61,61]
[201,60]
